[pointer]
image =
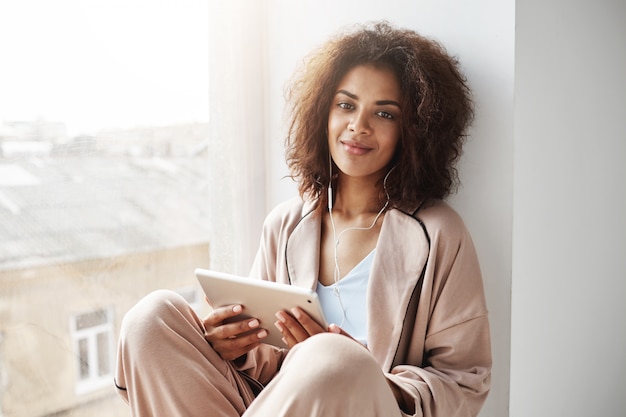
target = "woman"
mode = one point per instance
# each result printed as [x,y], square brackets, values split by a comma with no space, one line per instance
[379,116]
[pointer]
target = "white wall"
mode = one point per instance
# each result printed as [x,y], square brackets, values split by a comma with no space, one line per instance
[481,35]
[568,354]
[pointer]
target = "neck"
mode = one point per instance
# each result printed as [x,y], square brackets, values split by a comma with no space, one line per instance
[356,196]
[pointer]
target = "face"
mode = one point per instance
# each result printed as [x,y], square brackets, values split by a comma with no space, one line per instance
[364,122]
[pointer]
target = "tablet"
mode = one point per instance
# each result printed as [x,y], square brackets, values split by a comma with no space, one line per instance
[260,299]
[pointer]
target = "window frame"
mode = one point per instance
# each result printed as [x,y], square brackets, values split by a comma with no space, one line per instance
[95,380]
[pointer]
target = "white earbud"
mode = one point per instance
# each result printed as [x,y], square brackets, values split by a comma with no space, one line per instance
[330,182]
[330,197]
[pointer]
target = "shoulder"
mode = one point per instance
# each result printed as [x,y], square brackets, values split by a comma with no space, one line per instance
[440,214]
[439,220]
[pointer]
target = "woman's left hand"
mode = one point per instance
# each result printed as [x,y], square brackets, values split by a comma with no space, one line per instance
[296,325]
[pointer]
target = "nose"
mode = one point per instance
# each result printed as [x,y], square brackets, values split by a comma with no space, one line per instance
[359,123]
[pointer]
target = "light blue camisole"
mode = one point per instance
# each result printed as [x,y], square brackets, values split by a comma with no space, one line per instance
[353,291]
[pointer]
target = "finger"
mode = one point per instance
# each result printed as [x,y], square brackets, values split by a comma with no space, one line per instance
[231,330]
[293,328]
[232,348]
[307,323]
[287,337]
[218,315]
[240,342]
[333,328]
[232,354]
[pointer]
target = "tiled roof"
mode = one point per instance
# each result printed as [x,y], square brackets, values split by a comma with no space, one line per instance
[65,208]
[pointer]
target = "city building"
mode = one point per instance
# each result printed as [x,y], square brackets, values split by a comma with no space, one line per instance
[84,234]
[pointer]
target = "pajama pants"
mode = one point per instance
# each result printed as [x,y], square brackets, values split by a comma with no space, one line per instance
[166,368]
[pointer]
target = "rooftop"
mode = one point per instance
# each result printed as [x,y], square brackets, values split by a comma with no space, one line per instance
[68,208]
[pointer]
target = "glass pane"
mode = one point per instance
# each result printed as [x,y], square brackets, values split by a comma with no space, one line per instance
[104,354]
[95,318]
[83,357]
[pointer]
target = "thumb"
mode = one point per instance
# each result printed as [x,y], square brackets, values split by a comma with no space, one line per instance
[333,328]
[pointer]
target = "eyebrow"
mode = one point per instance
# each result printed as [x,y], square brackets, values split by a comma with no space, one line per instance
[379,102]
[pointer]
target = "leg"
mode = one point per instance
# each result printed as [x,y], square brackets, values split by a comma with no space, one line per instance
[166,367]
[327,375]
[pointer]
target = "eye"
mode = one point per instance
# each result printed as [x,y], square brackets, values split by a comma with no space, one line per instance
[345,106]
[385,115]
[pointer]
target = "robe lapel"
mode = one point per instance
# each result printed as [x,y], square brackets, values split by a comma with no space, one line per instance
[303,251]
[401,255]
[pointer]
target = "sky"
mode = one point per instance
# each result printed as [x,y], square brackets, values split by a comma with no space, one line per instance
[96,64]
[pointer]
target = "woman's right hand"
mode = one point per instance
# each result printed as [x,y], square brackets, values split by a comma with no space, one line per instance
[232,339]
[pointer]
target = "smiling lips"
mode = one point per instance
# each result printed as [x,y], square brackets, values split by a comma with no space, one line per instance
[355,148]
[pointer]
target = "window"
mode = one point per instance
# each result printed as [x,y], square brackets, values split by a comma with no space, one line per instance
[103,187]
[93,338]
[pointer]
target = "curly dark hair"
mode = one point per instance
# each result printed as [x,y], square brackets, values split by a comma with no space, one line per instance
[436,110]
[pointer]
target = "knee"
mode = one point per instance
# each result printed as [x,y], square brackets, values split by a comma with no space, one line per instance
[331,346]
[329,355]
[152,313]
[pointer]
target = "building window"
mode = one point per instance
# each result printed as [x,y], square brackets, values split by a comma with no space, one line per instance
[93,337]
